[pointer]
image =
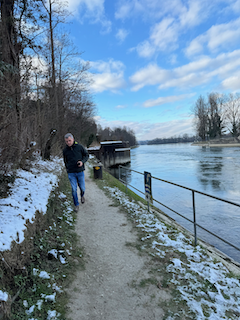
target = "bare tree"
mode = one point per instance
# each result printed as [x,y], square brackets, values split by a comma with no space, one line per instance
[201,115]
[232,113]
[55,14]
[215,121]
[36,100]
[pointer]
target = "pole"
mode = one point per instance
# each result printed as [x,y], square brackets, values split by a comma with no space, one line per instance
[194,218]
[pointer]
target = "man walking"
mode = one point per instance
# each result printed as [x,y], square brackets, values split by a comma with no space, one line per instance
[75,155]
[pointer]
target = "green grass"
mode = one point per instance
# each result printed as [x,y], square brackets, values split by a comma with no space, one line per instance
[111,181]
[146,282]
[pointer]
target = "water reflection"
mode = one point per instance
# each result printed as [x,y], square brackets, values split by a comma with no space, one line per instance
[210,168]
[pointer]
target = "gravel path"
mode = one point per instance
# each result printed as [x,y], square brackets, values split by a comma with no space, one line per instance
[107,289]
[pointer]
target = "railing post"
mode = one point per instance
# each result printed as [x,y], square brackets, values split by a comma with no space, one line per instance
[194,218]
[119,173]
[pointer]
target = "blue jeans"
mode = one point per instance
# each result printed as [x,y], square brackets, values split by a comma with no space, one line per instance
[77,179]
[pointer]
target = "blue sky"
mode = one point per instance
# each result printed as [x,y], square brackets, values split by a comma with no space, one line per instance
[151,59]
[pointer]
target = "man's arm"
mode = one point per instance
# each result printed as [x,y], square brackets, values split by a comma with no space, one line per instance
[85,155]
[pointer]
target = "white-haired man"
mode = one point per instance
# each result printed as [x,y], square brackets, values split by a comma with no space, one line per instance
[75,155]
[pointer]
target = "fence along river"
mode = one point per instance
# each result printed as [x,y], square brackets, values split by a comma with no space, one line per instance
[215,171]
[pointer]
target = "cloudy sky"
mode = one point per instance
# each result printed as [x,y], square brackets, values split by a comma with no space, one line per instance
[151,59]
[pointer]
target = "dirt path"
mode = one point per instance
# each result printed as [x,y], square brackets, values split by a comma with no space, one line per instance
[106,289]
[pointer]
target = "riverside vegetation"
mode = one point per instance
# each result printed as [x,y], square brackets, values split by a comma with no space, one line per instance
[33,273]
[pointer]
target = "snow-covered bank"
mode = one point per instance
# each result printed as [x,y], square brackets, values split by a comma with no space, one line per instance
[210,290]
[33,288]
[29,193]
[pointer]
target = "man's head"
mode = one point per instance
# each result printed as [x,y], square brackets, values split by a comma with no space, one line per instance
[69,139]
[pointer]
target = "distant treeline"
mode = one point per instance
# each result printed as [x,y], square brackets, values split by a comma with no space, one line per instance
[121,134]
[179,139]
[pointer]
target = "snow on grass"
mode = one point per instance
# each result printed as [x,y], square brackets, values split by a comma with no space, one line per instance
[206,286]
[3,296]
[29,193]
[203,283]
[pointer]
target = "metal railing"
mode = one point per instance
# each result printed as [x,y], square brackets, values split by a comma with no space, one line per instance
[195,224]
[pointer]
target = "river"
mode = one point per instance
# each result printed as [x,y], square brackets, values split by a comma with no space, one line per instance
[215,171]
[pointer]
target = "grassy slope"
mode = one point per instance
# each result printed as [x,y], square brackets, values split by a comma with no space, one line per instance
[54,230]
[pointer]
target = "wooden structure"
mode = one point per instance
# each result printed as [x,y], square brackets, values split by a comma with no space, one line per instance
[111,153]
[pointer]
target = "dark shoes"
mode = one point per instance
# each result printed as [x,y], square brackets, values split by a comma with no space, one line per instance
[76,208]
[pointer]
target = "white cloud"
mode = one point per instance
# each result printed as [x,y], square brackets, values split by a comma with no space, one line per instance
[103,66]
[217,37]
[145,49]
[123,11]
[164,34]
[97,118]
[192,15]
[148,131]
[236,6]
[93,10]
[155,9]
[150,75]
[121,35]
[120,106]
[232,83]
[223,34]
[107,82]
[164,100]
[166,129]
[198,72]
[110,76]
[196,46]
[176,18]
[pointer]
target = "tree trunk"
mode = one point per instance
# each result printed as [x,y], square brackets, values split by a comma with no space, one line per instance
[47,152]
[53,63]
[10,52]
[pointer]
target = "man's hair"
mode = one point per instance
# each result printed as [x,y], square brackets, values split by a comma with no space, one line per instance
[68,135]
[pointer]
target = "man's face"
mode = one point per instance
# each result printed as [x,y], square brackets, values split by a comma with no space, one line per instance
[69,141]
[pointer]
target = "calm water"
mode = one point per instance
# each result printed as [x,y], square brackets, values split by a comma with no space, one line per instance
[215,171]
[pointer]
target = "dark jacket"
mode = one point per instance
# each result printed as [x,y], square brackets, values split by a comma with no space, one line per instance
[73,154]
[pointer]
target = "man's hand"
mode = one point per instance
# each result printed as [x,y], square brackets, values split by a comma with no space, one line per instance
[79,163]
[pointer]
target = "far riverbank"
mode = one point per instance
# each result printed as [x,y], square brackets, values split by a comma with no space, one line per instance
[221,142]
[207,144]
